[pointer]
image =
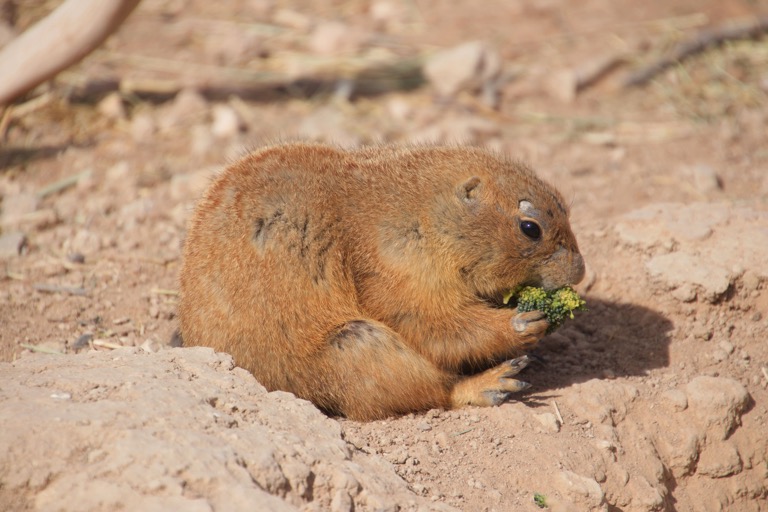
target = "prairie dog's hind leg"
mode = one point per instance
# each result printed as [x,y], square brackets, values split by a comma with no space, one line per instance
[491,387]
[367,372]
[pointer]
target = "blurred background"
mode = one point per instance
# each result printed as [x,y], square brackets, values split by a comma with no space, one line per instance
[578,88]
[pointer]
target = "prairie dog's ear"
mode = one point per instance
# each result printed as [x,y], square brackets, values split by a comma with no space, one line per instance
[470,189]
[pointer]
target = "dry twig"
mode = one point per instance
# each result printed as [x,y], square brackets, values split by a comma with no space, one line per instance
[748,29]
[42,350]
[557,413]
[52,288]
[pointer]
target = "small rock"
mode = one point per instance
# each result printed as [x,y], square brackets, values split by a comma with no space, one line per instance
[81,342]
[549,421]
[397,457]
[76,257]
[684,293]
[188,107]
[143,128]
[292,19]
[112,107]
[750,281]
[676,399]
[150,346]
[16,207]
[726,346]
[119,172]
[226,122]
[12,244]
[335,38]
[342,502]
[719,459]
[201,140]
[680,268]
[400,109]
[84,242]
[701,332]
[464,67]
[678,448]
[645,495]
[718,402]
[719,355]
[236,47]
[346,482]
[562,85]
[424,426]
[580,489]
[705,179]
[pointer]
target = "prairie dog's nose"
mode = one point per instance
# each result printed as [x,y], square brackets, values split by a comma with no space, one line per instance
[563,268]
[577,268]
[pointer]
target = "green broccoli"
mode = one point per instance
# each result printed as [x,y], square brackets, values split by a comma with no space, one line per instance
[557,305]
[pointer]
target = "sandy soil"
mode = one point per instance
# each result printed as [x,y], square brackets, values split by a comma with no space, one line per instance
[654,399]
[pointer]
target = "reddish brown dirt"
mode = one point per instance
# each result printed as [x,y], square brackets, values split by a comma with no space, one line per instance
[677,293]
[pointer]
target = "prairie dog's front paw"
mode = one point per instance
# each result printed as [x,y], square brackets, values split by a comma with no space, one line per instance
[530,326]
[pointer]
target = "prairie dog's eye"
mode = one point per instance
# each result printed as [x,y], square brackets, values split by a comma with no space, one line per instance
[530,229]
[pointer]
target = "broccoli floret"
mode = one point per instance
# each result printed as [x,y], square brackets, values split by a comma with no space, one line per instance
[557,305]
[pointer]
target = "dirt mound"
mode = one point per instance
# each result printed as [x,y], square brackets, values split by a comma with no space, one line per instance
[182,429]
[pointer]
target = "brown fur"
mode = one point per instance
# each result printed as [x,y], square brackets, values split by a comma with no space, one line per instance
[369,281]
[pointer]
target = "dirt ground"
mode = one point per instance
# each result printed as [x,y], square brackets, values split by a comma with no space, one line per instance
[656,398]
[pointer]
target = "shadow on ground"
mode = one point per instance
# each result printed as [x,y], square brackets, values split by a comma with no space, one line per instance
[609,340]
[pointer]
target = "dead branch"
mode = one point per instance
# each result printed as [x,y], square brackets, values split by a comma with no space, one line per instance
[56,42]
[745,29]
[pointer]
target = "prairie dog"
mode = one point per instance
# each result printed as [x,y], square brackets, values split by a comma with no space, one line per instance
[370,281]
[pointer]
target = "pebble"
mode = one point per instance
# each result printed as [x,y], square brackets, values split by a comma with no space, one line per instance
[719,459]
[187,107]
[562,85]
[143,128]
[580,489]
[112,107]
[226,122]
[292,19]
[680,268]
[385,14]
[676,399]
[684,293]
[705,179]
[12,244]
[549,421]
[234,48]
[84,242]
[18,207]
[342,502]
[719,355]
[726,346]
[701,332]
[750,281]
[464,67]
[334,38]
[718,402]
